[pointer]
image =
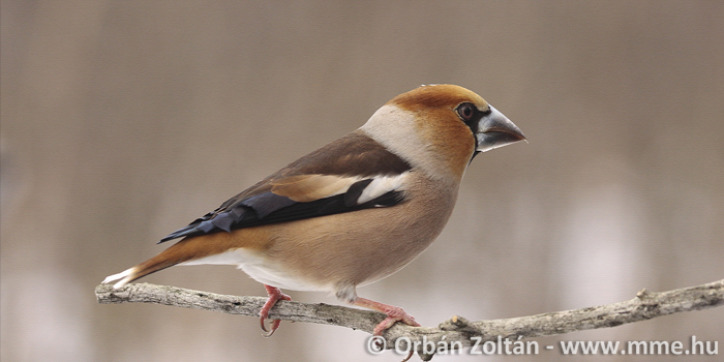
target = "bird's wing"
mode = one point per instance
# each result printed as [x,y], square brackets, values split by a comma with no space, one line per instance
[350,174]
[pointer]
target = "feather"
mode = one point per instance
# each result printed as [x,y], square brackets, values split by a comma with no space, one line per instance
[350,174]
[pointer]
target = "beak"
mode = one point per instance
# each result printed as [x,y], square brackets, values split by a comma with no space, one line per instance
[496,130]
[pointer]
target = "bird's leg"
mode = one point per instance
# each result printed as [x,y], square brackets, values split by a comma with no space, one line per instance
[394,314]
[274,296]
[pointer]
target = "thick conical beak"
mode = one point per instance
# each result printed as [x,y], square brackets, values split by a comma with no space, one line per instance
[496,130]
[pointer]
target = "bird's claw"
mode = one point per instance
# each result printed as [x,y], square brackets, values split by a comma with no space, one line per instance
[274,296]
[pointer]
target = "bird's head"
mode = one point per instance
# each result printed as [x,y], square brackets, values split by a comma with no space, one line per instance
[440,128]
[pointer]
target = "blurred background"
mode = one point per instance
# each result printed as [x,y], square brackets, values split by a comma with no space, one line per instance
[124,120]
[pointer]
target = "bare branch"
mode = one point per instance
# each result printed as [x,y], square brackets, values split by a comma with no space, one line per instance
[645,305]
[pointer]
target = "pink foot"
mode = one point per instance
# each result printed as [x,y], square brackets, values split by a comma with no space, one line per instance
[274,296]
[394,314]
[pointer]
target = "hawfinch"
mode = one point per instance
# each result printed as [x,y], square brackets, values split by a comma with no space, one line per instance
[353,211]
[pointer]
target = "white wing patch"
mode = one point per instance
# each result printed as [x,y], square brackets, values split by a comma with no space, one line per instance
[380,186]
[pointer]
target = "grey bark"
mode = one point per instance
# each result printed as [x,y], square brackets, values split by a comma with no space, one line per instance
[645,305]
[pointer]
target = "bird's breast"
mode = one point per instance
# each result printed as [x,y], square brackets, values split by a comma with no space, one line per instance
[357,247]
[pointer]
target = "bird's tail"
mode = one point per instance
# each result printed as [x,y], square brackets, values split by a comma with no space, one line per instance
[176,254]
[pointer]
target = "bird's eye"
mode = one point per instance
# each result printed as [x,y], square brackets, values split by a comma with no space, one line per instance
[466,111]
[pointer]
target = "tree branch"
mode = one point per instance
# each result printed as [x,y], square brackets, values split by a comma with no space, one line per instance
[645,305]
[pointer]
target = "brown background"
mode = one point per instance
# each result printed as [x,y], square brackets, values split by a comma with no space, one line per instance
[123,120]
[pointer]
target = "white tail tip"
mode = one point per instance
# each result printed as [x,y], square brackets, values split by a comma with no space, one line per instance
[122,277]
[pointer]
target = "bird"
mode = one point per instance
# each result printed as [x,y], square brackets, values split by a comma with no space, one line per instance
[352,212]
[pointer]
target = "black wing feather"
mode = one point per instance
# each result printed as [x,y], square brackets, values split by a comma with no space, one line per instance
[269,208]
